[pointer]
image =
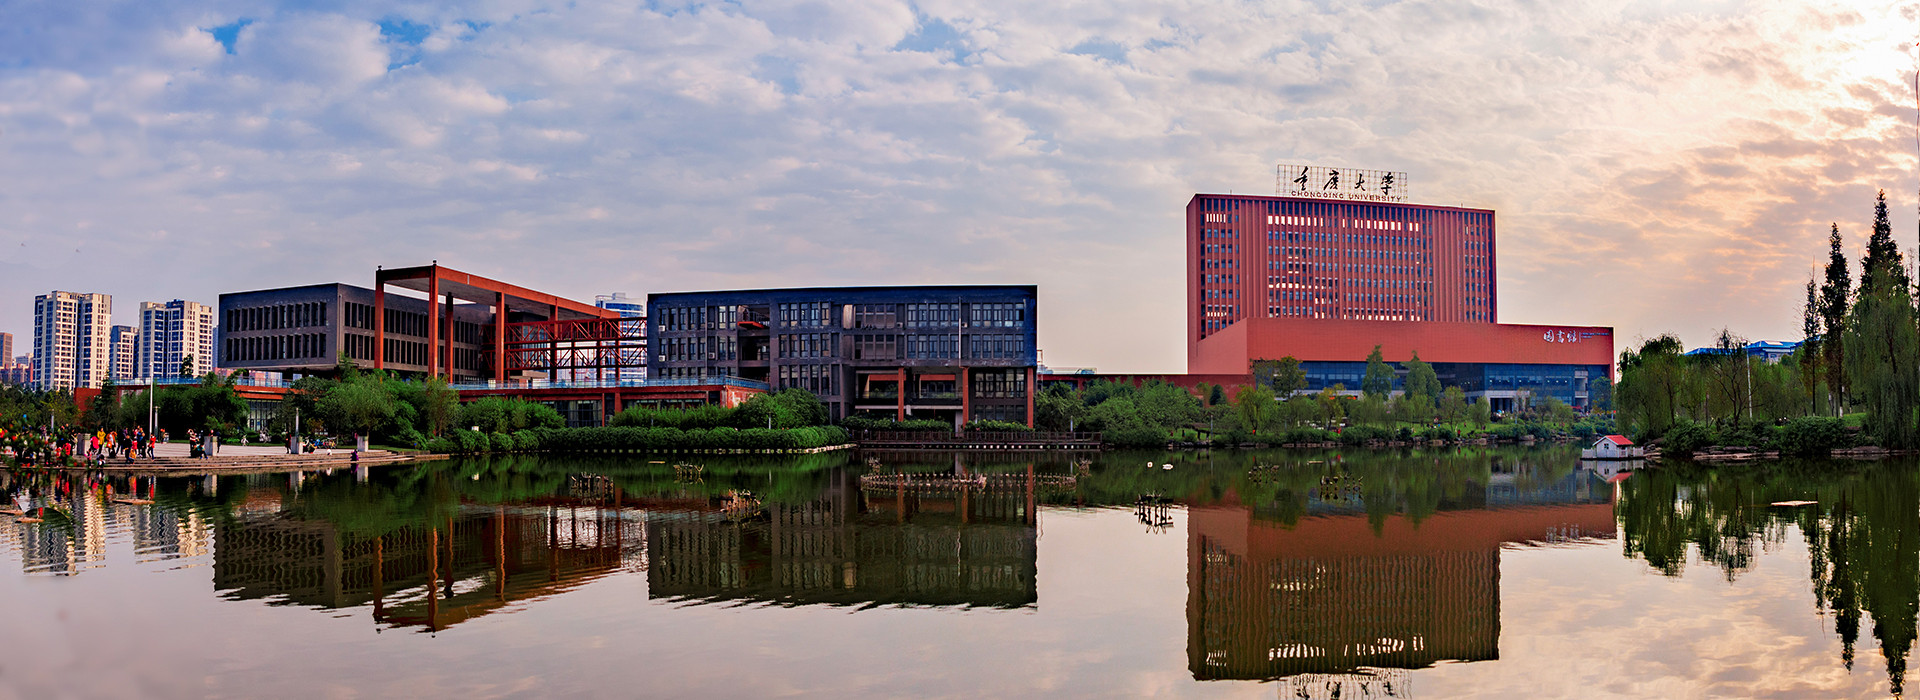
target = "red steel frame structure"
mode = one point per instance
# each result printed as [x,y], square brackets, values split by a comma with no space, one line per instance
[569,335]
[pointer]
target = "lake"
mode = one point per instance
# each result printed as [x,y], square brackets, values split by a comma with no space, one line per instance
[1443,573]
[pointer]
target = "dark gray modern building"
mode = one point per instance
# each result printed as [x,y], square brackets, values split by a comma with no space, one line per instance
[925,352]
[303,330]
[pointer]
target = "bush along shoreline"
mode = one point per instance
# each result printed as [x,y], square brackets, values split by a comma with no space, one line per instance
[638,439]
[1807,436]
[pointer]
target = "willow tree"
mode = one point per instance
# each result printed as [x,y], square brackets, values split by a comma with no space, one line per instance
[1882,353]
[1652,388]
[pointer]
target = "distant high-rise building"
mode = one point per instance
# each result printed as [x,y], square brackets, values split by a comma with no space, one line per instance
[170,333]
[6,348]
[629,307]
[71,340]
[16,373]
[123,345]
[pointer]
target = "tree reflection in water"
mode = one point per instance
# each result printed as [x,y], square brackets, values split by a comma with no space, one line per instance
[1863,536]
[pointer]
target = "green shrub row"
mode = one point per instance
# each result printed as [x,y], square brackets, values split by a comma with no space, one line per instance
[858,423]
[1807,436]
[635,439]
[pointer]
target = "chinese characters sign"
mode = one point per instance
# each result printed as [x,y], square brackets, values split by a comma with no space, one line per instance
[1340,183]
[1560,336]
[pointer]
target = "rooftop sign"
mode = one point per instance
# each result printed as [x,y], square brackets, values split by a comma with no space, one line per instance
[1340,183]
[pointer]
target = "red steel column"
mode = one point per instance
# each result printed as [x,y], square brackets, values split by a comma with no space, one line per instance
[553,346]
[379,323]
[900,395]
[446,326]
[500,336]
[433,322]
[966,396]
[1030,380]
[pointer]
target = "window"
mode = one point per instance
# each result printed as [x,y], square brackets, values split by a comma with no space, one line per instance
[875,316]
[997,347]
[932,347]
[932,315]
[876,347]
[807,345]
[805,314]
[989,384]
[996,315]
[818,379]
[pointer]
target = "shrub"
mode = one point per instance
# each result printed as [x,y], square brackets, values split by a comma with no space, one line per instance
[1687,437]
[1439,433]
[526,440]
[1136,437]
[997,426]
[1308,435]
[876,424]
[1811,436]
[1363,434]
[500,442]
[442,446]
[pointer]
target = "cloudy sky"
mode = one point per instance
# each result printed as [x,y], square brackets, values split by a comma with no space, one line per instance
[1656,166]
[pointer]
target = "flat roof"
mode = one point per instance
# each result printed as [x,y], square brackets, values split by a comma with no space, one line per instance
[1329,200]
[1024,288]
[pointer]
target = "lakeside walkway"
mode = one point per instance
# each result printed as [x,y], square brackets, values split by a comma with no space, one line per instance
[172,460]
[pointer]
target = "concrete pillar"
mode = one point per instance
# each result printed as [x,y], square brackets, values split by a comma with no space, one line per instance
[499,336]
[379,324]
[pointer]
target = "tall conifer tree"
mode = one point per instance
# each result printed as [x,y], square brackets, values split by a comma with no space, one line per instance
[1835,296]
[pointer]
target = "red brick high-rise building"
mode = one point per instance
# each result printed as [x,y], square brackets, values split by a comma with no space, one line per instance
[1325,280]
[1287,257]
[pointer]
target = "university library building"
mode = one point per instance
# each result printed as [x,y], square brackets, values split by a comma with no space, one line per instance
[1325,280]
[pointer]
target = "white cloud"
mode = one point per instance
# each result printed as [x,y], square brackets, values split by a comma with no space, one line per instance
[1638,153]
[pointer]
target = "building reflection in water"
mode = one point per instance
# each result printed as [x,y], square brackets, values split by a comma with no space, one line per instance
[456,566]
[76,514]
[942,540]
[1332,602]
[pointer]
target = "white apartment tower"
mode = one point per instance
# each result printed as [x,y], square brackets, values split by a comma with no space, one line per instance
[124,344]
[71,340]
[169,333]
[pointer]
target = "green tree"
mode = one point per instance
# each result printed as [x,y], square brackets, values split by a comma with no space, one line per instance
[1835,296]
[186,367]
[1284,376]
[1810,346]
[1256,408]
[1378,381]
[1059,408]
[1371,409]
[1600,393]
[440,404]
[1453,404]
[1653,385]
[360,407]
[1882,264]
[1883,359]
[1422,380]
[1481,413]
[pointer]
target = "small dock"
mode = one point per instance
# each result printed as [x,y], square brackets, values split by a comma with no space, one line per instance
[994,441]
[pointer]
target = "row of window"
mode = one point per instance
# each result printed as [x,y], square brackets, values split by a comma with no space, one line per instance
[811,313]
[298,346]
[406,323]
[259,318]
[822,380]
[405,352]
[357,315]
[1011,384]
[358,347]
[809,345]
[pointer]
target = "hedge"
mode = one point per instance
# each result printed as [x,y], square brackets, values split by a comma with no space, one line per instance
[637,439]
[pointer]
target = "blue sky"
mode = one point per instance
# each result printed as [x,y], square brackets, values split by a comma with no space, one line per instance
[1656,166]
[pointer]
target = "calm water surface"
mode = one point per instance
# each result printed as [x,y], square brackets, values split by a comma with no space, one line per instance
[1435,574]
